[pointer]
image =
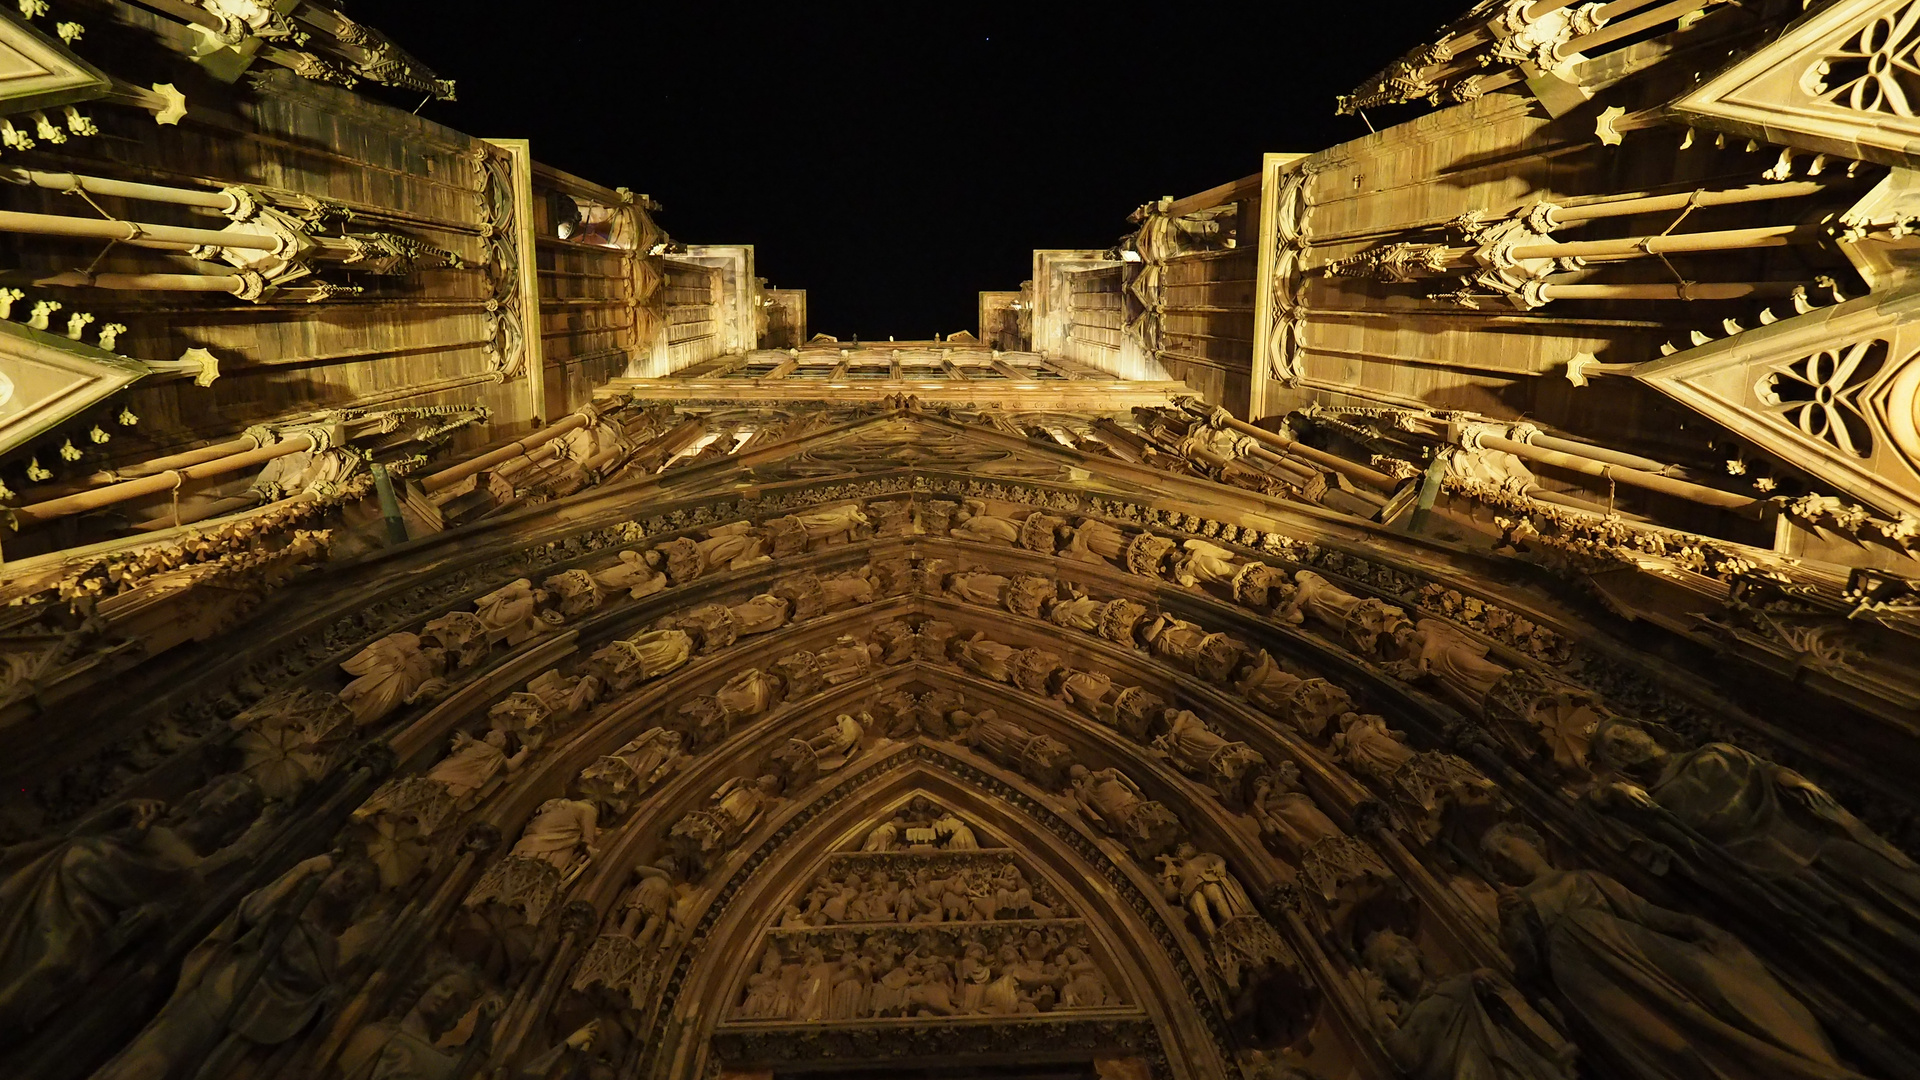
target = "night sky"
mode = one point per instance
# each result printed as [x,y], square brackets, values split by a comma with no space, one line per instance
[895,161]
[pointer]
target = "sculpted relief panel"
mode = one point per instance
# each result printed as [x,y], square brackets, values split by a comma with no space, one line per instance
[1172,698]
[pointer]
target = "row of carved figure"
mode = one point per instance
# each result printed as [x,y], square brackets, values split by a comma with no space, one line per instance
[928,894]
[1748,805]
[882,977]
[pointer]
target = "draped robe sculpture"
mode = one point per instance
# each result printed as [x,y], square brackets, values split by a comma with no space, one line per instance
[1661,995]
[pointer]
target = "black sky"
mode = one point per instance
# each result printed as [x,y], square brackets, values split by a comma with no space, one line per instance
[894,161]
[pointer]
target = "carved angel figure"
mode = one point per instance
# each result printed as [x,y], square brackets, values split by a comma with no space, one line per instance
[637,573]
[391,670]
[512,613]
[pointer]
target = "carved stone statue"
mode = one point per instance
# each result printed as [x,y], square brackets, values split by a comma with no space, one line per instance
[470,772]
[1347,874]
[803,592]
[979,587]
[704,834]
[845,661]
[1775,822]
[1473,1024]
[628,662]
[1210,656]
[512,612]
[1204,754]
[843,591]
[1307,704]
[892,517]
[895,641]
[459,636]
[410,1049]
[1095,541]
[712,625]
[747,695]
[973,522]
[759,615]
[1543,716]
[1454,660]
[1659,993]
[637,574]
[624,776]
[833,525]
[1139,712]
[68,904]
[799,674]
[623,959]
[825,751]
[1206,564]
[391,671]
[703,722]
[1089,692]
[734,546]
[1031,594]
[1424,782]
[1041,758]
[289,740]
[1119,808]
[575,593]
[247,979]
[554,848]
[1200,882]
[1080,613]
[1359,623]
[987,659]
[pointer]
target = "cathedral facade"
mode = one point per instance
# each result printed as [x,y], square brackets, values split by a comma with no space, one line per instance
[1442,606]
